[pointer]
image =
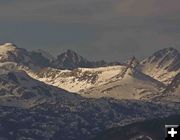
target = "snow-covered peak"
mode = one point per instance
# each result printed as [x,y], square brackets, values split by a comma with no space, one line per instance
[34,60]
[7,47]
[167,58]
[78,79]
[120,82]
[127,84]
[9,44]
[163,65]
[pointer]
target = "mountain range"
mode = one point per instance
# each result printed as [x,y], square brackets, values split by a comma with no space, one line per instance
[41,59]
[72,98]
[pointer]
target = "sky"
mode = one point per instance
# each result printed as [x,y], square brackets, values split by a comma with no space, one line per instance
[112,30]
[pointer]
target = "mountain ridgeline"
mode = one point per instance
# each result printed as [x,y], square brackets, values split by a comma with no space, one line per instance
[72,98]
[40,59]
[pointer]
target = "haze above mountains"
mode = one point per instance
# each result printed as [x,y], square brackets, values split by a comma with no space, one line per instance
[92,26]
[83,97]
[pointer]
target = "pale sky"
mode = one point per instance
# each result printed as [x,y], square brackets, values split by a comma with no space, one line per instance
[96,29]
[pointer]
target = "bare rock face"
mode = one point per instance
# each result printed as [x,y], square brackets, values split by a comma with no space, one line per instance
[167,59]
[71,60]
[173,86]
[163,65]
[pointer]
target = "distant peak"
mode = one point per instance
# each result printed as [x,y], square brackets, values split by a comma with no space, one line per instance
[166,59]
[8,45]
[70,51]
[168,50]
